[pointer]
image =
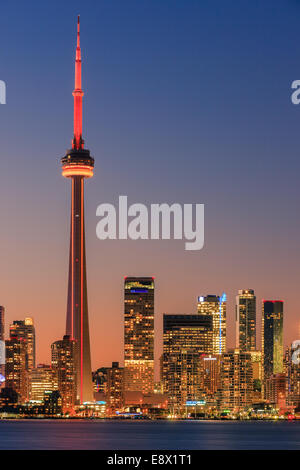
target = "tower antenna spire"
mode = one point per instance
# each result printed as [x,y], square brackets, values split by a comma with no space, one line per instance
[78,142]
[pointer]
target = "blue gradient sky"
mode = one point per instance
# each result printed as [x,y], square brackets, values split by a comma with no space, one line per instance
[185,101]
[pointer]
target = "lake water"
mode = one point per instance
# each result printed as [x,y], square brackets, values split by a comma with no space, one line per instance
[152,435]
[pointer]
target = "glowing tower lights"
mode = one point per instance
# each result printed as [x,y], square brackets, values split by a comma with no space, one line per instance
[78,165]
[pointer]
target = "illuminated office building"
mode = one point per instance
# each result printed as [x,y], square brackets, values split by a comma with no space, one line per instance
[236,381]
[185,339]
[25,329]
[63,361]
[139,334]
[246,320]
[272,338]
[215,307]
[15,367]
[42,379]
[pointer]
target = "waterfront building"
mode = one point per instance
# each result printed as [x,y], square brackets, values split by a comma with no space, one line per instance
[15,367]
[185,339]
[275,391]
[236,381]
[63,361]
[115,388]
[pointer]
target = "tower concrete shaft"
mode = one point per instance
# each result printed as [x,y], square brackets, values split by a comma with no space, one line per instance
[77,326]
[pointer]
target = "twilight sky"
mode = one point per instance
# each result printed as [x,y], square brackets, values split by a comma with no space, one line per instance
[185,101]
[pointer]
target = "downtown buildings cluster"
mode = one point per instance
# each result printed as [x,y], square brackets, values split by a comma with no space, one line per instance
[198,375]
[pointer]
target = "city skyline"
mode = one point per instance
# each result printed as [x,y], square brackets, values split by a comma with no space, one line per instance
[40,229]
[140,330]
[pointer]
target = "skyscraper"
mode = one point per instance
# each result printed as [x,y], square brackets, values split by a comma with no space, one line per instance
[63,355]
[215,306]
[78,165]
[272,337]
[139,334]
[245,320]
[24,329]
[186,338]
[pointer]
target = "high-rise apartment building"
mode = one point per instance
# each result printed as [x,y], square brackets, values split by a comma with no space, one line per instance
[272,338]
[236,381]
[245,320]
[215,306]
[186,338]
[16,373]
[63,361]
[24,329]
[139,334]
[115,388]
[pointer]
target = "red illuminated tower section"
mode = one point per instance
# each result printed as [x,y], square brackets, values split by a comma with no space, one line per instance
[78,165]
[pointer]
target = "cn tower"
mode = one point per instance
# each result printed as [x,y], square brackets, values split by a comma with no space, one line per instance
[78,165]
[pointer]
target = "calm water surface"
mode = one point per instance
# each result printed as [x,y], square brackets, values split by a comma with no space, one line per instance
[127,435]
